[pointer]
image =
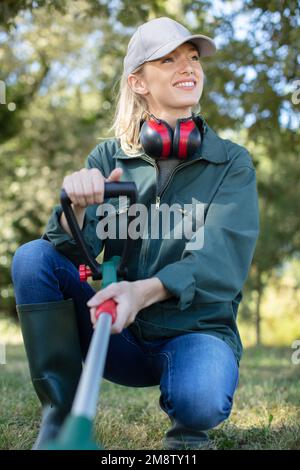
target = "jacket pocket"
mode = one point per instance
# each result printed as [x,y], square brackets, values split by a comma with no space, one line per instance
[112,225]
[192,209]
[199,314]
[191,214]
[119,205]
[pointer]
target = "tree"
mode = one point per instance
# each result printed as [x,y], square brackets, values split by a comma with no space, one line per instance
[61,62]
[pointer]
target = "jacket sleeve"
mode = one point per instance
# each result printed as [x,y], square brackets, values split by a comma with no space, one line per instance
[62,241]
[217,271]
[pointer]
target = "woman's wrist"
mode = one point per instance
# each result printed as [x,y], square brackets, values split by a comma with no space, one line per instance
[151,291]
[79,213]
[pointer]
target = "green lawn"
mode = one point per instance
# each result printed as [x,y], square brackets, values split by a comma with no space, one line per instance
[265,413]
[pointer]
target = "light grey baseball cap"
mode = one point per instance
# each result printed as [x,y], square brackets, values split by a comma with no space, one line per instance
[159,37]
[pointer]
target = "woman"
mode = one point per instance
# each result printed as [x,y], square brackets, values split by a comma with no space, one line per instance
[176,312]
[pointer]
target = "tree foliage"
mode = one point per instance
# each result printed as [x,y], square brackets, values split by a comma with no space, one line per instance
[61,62]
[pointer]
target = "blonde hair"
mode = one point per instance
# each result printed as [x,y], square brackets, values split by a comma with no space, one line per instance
[131,108]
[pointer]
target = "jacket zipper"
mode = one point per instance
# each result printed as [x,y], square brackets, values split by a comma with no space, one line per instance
[177,168]
[170,177]
[145,243]
[145,248]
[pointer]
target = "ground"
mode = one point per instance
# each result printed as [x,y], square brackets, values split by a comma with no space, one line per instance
[265,415]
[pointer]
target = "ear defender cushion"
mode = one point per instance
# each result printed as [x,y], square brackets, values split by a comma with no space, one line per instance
[159,141]
[186,140]
[156,137]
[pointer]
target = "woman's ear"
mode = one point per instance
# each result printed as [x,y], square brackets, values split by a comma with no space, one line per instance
[137,84]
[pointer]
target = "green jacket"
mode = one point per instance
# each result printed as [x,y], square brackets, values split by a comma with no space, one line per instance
[206,283]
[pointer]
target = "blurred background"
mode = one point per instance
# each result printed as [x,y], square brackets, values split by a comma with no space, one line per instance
[60,62]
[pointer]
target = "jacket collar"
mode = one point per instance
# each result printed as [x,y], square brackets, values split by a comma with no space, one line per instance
[212,149]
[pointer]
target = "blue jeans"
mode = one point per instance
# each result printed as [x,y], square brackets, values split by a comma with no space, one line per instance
[197,373]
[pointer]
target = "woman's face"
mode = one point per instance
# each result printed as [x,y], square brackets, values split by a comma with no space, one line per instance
[160,82]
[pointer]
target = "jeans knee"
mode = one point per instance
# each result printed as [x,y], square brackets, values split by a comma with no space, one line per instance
[201,415]
[27,258]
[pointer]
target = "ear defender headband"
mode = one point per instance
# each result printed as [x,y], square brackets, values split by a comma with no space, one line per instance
[160,142]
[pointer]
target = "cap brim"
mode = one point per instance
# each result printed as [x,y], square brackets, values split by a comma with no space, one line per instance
[206,46]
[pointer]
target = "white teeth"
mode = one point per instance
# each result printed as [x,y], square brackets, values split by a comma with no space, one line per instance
[184,84]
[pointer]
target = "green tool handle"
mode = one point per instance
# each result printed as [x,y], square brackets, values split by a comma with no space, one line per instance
[85,403]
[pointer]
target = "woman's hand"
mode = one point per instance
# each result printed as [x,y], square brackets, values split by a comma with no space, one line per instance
[128,299]
[86,187]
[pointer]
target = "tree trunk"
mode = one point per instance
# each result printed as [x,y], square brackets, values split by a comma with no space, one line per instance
[258,315]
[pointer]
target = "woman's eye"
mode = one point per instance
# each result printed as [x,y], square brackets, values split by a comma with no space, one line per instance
[194,57]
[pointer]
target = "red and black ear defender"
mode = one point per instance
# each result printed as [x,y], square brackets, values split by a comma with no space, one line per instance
[160,141]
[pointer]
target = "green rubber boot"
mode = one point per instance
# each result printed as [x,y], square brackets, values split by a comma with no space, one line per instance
[180,438]
[52,345]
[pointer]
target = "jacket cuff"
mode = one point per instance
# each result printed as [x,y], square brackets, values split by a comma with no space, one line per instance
[54,231]
[179,282]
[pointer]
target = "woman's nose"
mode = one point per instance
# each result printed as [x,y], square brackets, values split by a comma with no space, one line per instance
[185,65]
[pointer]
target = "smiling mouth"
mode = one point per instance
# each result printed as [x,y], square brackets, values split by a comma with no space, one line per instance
[185,85]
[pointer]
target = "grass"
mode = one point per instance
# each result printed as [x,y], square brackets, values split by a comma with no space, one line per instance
[265,414]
